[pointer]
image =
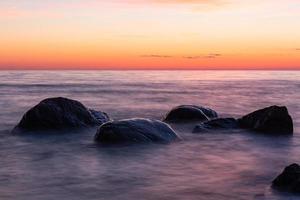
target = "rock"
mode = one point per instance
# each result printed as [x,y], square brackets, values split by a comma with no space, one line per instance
[186,113]
[137,130]
[101,117]
[289,179]
[273,119]
[220,123]
[60,113]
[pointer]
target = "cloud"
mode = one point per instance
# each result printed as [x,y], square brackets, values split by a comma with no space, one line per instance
[168,1]
[297,49]
[191,57]
[59,8]
[211,55]
[156,56]
[186,1]
[17,13]
[197,4]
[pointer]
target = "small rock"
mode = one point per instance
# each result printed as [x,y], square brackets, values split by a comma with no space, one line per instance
[220,123]
[289,179]
[187,113]
[101,117]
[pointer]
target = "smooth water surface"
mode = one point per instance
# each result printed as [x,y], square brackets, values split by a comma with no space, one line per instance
[217,165]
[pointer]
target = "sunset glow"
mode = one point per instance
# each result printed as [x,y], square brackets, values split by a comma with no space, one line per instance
[150,34]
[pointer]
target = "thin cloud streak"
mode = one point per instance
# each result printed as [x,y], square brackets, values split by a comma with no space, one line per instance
[186,1]
[199,4]
[59,8]
[170,1]
[156,56]
[211,56]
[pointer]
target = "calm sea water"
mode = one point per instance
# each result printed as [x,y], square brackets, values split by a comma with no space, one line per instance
[218,165]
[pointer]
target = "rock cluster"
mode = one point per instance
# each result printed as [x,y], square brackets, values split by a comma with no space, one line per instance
[62,113]
[271,120]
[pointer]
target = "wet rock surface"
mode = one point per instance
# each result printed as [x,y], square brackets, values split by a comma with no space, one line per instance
[185,113]
[136,130]
[272,120]
[101,117]
[220,123]
[289,179]
[59,113]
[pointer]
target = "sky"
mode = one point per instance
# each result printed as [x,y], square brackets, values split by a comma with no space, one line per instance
[150,34]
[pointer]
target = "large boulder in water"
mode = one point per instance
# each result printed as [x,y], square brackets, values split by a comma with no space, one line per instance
[60,113]
[219,123]
[289,179]
[137,130]
[187,113]
[273,119]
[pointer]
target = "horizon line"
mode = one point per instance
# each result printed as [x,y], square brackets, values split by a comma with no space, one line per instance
[150,69]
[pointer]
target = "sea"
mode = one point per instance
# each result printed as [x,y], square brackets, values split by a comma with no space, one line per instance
[214,165]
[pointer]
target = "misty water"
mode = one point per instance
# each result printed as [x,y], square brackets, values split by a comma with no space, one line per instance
[230,164]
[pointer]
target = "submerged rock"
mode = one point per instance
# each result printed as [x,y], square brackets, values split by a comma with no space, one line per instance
[186,113]
[59,113]
[135,131]
[273,119]
[220,123]
[289,179]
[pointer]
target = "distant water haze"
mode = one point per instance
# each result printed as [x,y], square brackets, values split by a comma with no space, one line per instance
[219,165]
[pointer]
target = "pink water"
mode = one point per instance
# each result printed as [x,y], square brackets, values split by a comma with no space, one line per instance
[218,165]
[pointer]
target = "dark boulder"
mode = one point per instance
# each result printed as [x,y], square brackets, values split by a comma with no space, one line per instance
[273,119]
[135,131]
[186,113]
[220,123]
[59,113]
[289,179]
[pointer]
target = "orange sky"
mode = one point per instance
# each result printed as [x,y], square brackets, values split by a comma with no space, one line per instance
[156,34]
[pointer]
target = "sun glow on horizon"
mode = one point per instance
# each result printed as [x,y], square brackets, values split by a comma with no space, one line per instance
[156,34]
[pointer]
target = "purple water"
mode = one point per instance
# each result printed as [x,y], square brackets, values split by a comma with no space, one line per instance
[218,165]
